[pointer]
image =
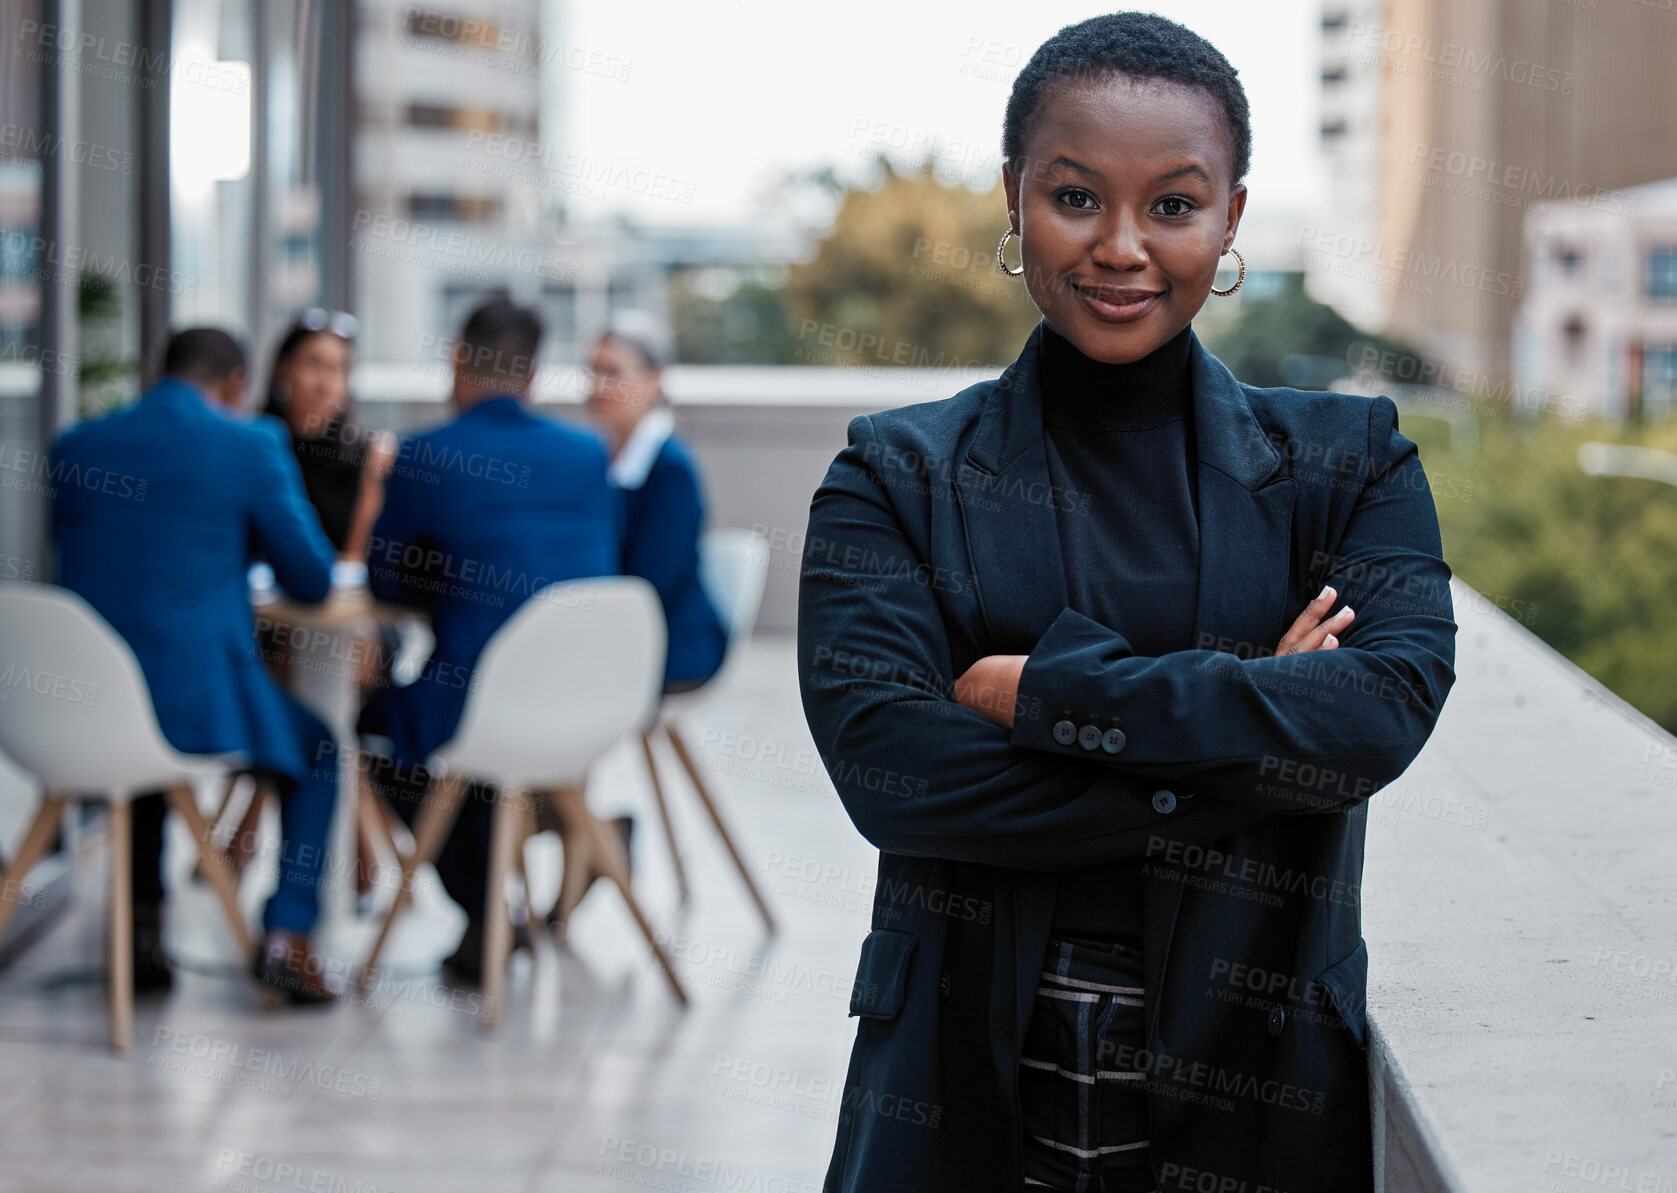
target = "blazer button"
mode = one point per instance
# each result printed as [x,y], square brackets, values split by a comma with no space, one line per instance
[1065,732]
[1164,802]
[943,983]
[1113,741]
[1277,1020]
[1089,737]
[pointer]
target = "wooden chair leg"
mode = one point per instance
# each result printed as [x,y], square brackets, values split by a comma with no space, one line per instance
[664,814]
[370,829]
[395,828]
[215,865]
[234,781]
[497,927]
[374,817]
[608,850]
[716,818]
[121,930]
[218,829]
[442,805]
[35,841]
[243,845]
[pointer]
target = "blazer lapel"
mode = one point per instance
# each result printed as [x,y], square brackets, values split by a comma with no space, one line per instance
[1245,519]
[1007,511]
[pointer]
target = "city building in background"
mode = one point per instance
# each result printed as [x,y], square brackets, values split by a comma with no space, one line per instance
[1350,152]
[456,110]
[1444,124]
[1600,315]
[465,183]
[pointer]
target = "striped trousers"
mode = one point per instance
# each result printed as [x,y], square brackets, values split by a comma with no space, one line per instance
[1083,1103]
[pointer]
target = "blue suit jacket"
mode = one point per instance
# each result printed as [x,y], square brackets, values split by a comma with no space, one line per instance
[663,519]
[156,510]
[1242,778]
[479,515]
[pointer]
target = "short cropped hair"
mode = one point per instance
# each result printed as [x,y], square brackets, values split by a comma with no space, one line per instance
[500,339]
[205,354]
[1139,44]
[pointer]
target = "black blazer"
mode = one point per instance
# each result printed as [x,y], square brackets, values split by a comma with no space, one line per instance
[1241,777]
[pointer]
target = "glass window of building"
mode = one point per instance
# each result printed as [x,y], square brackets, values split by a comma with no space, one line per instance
[1662,274]
[1659,379]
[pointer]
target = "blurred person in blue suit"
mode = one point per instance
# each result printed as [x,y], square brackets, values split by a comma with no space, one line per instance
[162,555]
[664,505]
[479,515]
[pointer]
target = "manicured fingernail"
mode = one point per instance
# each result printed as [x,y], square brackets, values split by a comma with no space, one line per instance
[1326,591]
[1330,642]
[1347,612]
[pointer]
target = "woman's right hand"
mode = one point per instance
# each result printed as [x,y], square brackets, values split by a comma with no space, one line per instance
[1311,632]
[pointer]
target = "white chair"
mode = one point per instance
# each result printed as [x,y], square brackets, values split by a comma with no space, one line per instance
[573,672]
[733,568]
[75,712]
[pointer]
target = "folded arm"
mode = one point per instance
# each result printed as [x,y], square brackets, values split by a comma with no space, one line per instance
[919,773]
[1311,732]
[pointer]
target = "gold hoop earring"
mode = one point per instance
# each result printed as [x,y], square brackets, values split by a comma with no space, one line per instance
[1239,281]
[1002,264]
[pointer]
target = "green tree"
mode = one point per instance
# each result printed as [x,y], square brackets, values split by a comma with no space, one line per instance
[1587,563]
[908,277]
[1291,339]
[746,325]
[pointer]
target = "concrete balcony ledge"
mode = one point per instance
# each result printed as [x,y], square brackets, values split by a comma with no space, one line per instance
[872,387]
[1520,908]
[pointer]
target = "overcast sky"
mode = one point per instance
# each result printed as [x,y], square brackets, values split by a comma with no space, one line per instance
[724,97]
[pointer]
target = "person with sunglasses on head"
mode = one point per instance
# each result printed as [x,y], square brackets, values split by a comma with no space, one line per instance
[344,464]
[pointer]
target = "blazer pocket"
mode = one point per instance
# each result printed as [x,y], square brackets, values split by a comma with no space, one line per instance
[1346,983]
[882,974]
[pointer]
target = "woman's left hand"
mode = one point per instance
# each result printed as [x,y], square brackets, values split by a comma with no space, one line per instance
[991,686]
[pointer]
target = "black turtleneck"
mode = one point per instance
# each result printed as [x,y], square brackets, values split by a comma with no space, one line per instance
[1121,437]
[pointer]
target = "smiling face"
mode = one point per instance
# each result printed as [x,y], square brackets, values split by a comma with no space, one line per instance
[1123,202]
